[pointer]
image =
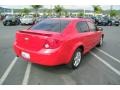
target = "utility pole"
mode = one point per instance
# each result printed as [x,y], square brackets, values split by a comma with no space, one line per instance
[12,11]
[111,8]
[4,11]
[51,10]
[84,12]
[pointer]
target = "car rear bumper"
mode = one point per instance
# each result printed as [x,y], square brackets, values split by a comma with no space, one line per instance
[116,23]
[11,23]
[47,57]
[27,22]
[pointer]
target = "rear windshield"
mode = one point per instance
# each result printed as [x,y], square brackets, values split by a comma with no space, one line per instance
[9,17]
[54,25]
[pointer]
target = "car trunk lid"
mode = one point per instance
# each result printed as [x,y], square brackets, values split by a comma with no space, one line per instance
[33,39]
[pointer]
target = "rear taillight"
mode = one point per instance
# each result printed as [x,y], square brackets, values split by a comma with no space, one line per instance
[51,44]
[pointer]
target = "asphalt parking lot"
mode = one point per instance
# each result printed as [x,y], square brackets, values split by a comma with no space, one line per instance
[101,66]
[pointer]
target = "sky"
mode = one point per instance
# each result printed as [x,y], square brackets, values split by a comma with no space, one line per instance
[88,7]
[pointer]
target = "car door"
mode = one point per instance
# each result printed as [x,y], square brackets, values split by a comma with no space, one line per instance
[84,34]
[95,35]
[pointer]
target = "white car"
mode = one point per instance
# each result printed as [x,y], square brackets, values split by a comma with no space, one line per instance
[27,19]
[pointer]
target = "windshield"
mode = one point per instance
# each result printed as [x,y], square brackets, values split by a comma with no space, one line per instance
[28,16]
[55,25]
[9,17]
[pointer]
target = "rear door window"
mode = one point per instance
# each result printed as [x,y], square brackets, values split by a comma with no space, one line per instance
[92,26]
[54,25]
[82,27]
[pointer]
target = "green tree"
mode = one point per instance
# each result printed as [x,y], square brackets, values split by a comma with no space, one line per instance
[97,9]
[25,11]
[80,14]
[49,11]
[66,14]
[113,13]
[58,10]
[36,8]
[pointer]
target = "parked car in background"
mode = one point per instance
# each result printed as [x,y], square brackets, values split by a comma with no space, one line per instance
[27,20]
[58,41]
[104,21]
[95,19]
[115,22]
[110,22]
[11,20]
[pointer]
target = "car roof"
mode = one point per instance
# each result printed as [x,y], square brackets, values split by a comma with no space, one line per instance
[72,19]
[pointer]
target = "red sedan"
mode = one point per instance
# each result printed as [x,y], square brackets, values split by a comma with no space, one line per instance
[58,41]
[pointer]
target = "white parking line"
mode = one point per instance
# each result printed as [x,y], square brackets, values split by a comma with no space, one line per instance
[117,60]
[8,70]
[106,63]
[27,73]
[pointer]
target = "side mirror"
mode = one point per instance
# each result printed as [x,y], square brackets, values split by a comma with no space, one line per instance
[99,29]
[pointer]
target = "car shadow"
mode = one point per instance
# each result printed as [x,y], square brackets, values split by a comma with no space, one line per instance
[53,69]
[62,69]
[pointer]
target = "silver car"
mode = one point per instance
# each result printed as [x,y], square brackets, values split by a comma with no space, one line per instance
[27,19]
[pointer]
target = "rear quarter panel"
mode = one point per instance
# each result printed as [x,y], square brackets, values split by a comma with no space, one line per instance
[71,41]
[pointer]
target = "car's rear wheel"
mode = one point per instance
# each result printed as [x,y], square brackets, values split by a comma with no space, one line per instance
[117,25]
[4,24]
[76,59]
[7,23]
[101,42]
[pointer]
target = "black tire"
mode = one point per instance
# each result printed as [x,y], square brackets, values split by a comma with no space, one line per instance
[100,43]
[116,25]
[71,64]
[4,24]
[18,22]
[7,23]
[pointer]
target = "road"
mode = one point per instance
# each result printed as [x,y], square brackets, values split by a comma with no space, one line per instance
[101,66]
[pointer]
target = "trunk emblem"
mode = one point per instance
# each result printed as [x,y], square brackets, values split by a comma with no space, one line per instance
[26,38]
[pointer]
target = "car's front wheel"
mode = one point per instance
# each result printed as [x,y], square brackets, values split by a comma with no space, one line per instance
[101,42]
[117,25]
[7,23]
[4,24]
[76,59]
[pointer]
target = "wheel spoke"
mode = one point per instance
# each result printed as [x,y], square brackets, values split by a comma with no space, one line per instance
[77,59]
